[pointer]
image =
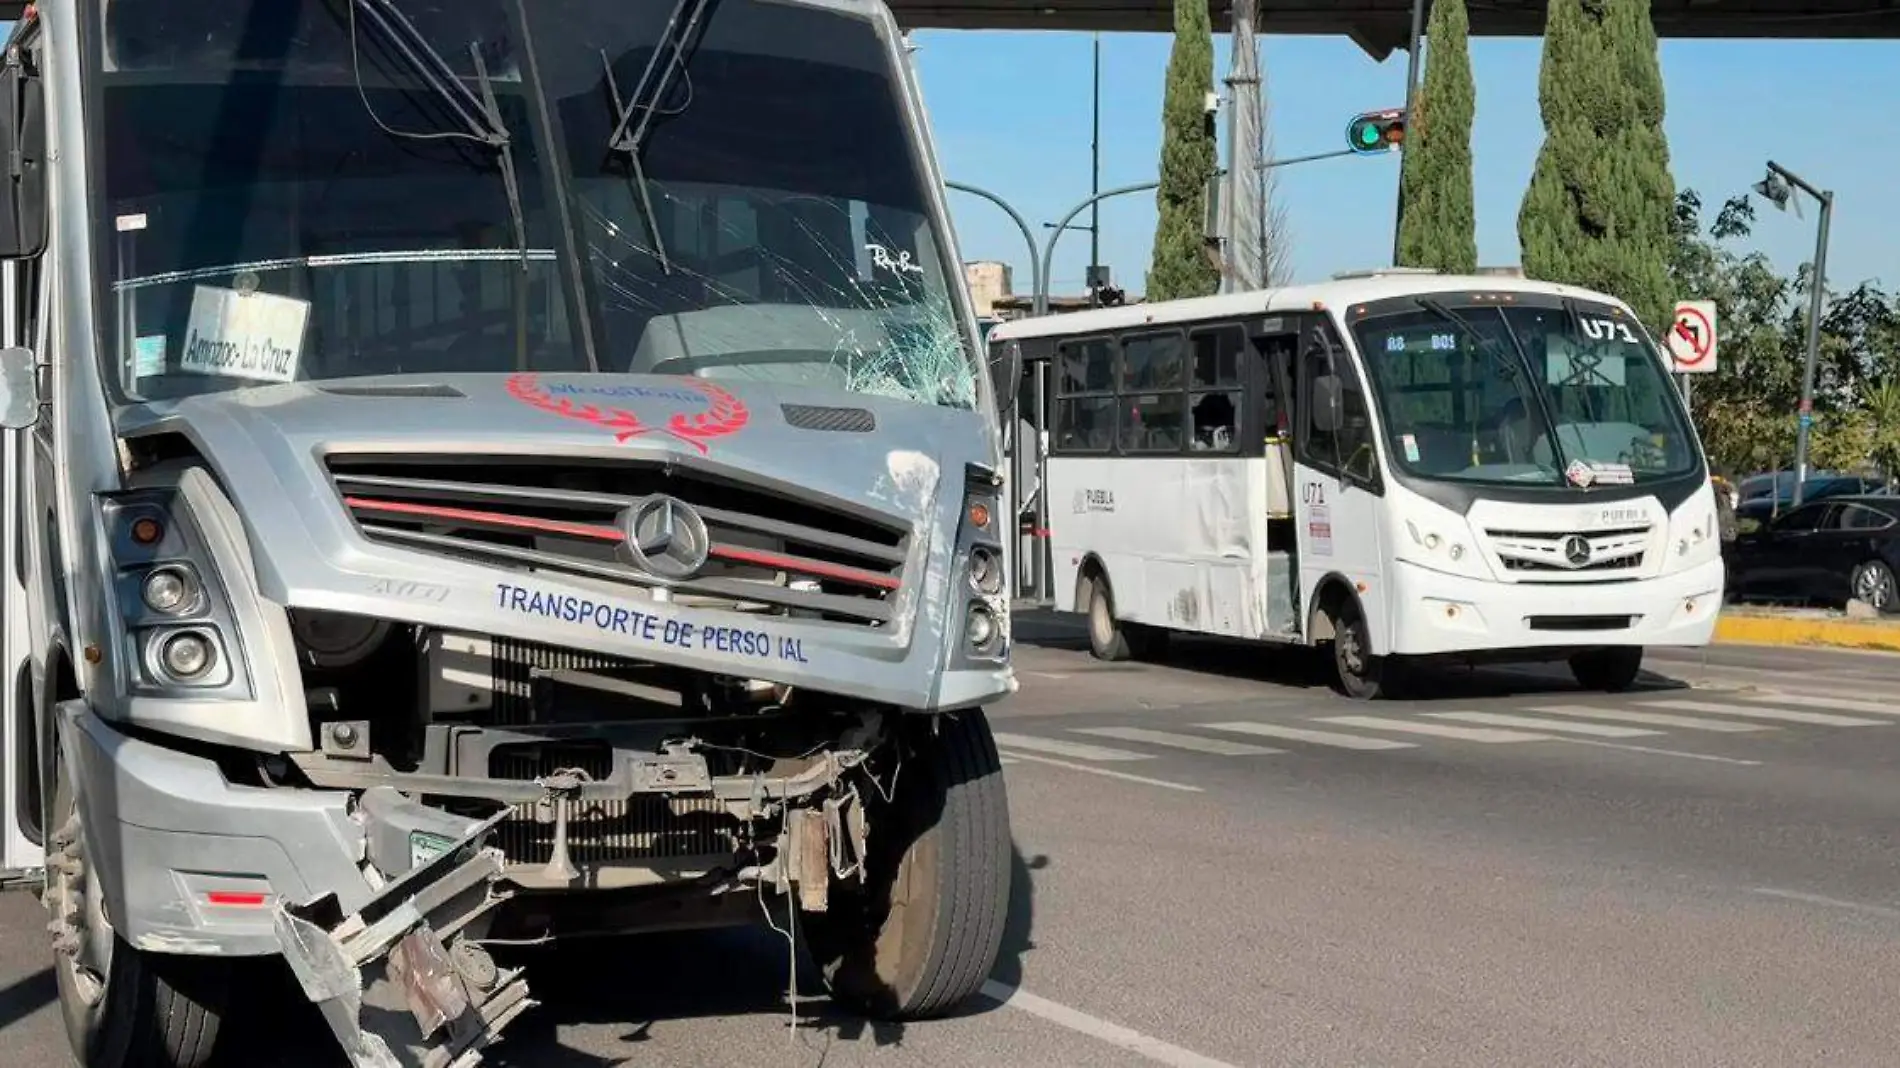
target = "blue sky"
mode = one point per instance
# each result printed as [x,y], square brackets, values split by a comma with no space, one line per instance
[1011,113]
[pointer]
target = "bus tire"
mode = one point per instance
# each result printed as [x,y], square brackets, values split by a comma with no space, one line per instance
[1611,669]
[123,1007]
[921,933]
[1107,638]
[1356,672]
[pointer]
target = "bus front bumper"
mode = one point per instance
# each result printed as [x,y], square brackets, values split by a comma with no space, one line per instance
[1433,612]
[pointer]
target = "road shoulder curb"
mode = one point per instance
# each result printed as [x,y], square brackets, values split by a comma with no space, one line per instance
[1877,635]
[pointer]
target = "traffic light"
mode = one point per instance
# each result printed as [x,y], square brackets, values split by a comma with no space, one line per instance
[1373,132]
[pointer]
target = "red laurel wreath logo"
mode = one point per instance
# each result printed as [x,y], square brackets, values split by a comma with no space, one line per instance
[725,414]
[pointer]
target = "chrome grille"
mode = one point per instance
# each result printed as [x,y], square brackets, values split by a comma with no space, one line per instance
[1546,553]
[766,549]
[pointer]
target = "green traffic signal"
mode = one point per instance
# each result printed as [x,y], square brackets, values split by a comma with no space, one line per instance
[1376,131]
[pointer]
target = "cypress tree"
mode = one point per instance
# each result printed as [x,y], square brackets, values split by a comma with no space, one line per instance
[1438,228]
[1180,266]
[1601,201]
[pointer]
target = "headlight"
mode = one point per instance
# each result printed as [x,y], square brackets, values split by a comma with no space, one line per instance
[175,620]
[986,572]
[186,655]
[981,630]
[169,590]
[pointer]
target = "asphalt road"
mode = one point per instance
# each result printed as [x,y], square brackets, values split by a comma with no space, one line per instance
[1220,863]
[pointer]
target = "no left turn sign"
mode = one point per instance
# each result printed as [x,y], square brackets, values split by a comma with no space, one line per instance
[1691,340]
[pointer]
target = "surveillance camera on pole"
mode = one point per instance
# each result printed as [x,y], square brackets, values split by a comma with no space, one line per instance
[1373,132]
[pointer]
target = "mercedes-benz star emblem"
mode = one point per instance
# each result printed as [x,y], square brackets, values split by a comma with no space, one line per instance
[667,538]
[1577,550]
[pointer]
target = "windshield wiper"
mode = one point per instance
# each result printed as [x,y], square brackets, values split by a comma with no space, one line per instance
[479,117]
[1520,369]
[628,139]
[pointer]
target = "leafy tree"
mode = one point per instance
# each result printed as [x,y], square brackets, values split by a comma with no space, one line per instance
[1181,266]
[1438,224]
[1598,209]
[1745,411]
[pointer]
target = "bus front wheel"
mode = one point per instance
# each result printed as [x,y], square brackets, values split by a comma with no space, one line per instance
[1356,672]
[1612,669]
[1109,638]
[124,1007]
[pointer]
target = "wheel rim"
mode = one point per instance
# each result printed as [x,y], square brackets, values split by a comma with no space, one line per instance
[1875,586]
[1351,652]
[82,932]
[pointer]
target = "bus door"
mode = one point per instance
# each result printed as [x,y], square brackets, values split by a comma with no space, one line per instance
[1338,483]
[19,746]
[1026,435]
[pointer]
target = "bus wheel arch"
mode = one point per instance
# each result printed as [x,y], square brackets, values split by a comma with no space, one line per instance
[1109,638]
[1338,626]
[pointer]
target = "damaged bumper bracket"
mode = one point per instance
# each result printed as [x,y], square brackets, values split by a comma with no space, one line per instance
[404,983]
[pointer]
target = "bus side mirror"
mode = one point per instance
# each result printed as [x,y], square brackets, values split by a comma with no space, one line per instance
[19,389]
[22,160]
[1326,407]
[1006,377]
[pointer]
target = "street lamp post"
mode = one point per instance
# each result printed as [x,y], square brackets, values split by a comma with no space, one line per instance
[1775,188]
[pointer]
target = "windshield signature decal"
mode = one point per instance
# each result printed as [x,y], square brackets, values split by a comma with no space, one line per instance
[881,257]
[724,414]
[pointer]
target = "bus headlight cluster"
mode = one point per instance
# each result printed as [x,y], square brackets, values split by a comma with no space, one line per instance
[981,630]
[175,624]
[1433,542]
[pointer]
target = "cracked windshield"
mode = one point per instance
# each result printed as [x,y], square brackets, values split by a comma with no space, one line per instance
[1537,394]
[731,191]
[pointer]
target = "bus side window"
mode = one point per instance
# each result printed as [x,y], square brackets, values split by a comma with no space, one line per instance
[1214,384]
[1085,395]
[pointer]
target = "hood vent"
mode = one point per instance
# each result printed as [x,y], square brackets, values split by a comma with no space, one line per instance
[839,420]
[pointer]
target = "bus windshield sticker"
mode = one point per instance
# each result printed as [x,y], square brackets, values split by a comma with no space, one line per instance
[1410,443]
[148,356]
[251,335]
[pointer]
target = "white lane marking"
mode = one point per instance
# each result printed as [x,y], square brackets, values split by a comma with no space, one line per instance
[1839,704]
[1038,674]
[1487,735]
[1495,719]
[1712,758]
[1301,734]
[1830,902]
[1083,1024]
[1216,746]
[1780,714]
[1655,719]
[1122,775]
[1007,760]
[1068,749]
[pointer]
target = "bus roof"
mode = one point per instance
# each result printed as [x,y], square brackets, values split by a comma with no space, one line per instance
[1337,293]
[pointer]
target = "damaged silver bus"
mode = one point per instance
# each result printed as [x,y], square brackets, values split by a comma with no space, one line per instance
[488,471]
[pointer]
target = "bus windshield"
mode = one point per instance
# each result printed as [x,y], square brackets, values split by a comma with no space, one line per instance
[324,189]
[1535,390]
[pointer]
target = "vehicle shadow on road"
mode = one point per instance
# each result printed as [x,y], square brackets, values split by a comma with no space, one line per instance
[27,996]
[1299,667]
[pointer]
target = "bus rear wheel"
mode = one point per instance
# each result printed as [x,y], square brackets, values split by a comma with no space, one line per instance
[123,1007]
[1612,669]
[1111,639]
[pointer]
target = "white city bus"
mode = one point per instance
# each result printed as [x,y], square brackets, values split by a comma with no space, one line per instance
[1392,465]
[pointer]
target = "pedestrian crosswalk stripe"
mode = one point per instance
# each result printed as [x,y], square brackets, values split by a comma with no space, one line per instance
[1654,719]
[1494,719]
[1840,704]
[1488,735]
[1215,746]
[1301,734]
[1784,715]
[1073,750]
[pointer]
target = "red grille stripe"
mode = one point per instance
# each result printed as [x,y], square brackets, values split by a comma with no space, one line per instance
[805,567]
[500,519]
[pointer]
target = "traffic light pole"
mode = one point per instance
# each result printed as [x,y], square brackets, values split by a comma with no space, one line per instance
[1816,298]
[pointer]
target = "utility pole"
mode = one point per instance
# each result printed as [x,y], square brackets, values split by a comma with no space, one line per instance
[1095,279]
[1411,111]
[1775,188]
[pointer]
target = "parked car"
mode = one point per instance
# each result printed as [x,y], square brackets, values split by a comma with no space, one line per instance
[1765,505]
[1827,551]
